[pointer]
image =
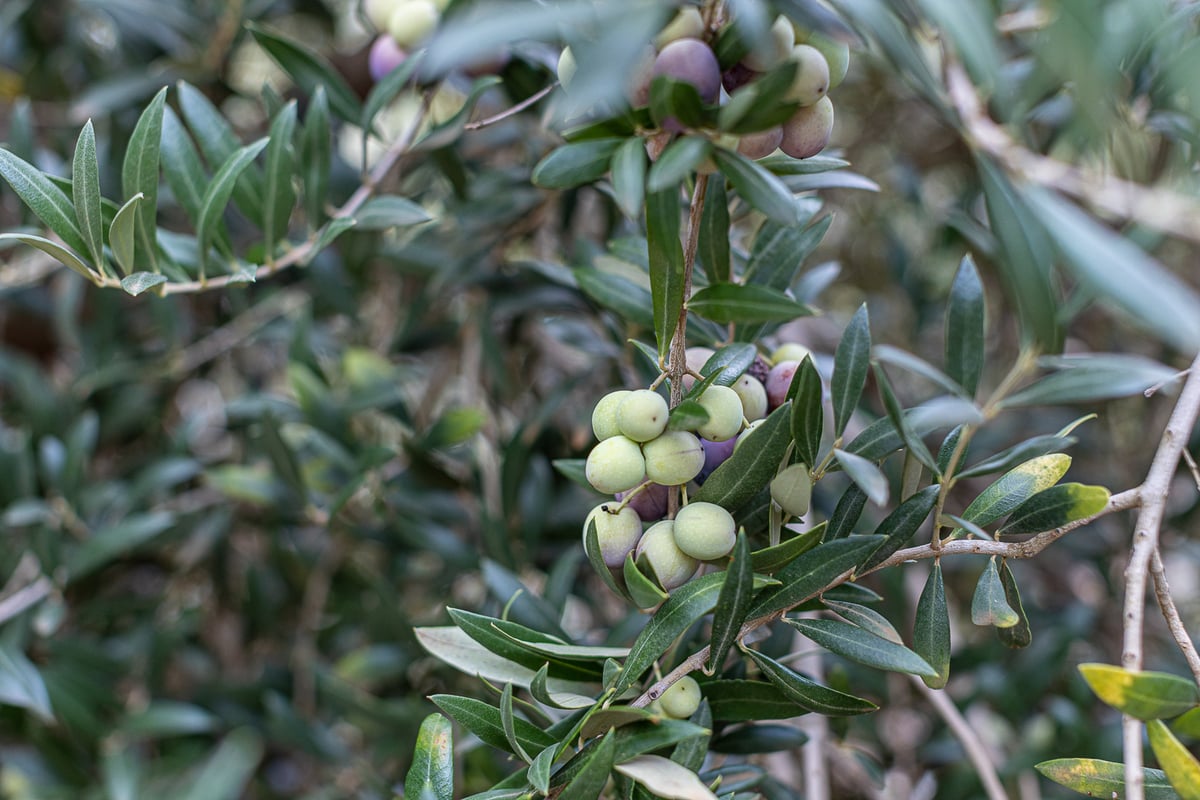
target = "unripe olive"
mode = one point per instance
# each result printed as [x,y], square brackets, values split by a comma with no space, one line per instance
[673,459]
[724,409]
[779,380]
[705,531]
[650,503]
[753,396]
[760,145]
[789,351]
[681,699]
[566,67]
[384,57]
[837,56]
[617,532]
[604,415]
[642,415]
[687,24]
[379,12]
[615,465]
[792,489]
[775,50]
[691,61]
[715,454]
[808,130]
[412,21]
[812,76]
[671,566]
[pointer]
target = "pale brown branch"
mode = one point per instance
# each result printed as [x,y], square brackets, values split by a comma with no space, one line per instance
[1154,492]
[1171,614]
[1162,209]
[511,112]
[971,743]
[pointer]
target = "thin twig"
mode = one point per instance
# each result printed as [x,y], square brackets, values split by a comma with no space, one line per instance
[511,112]
[239,329]
[25,598]
[1171,614]
[1162,209]
[971,743]
[816,764]
[1154,492]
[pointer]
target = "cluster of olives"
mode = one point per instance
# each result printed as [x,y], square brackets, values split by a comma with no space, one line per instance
[403,24]
[641,458]
[682,52]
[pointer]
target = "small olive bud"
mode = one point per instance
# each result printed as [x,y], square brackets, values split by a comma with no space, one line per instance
[792,489]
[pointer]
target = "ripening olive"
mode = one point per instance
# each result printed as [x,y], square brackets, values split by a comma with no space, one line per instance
[384,57]
[760,145]
[808,130]
[779,380]
[691,61]
[650,502]
[615,465]
[673,459]
[642,415]
[789,351]
[705,531]
[812,77]
[715,454]
[671,566]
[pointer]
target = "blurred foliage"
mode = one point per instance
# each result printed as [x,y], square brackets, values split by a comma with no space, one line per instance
[233,508]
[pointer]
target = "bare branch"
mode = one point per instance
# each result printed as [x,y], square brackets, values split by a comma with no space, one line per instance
[971,743]
[510,112]
[1154,492]
[1171,614]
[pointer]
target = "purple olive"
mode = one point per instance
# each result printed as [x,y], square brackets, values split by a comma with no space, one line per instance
[691,61]
[384,57]
[649,503]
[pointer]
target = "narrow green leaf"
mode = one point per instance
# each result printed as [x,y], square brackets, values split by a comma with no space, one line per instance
[316,154]
[1143,695]
[1026,261]
[181,165]
[780,251]
[726,303]
[591,547]
[894,356]
[666,264]
[1188,724]
[445,134]
[483,720]
[1092,377]
[864,473]
[61,254]
[756,106]
[589,781]
[931,628]
[1119,271]
[1015,487]
[1018,635]
[749,701]
[540,769]
[901,525]
[850,369]
[280,167]
[1018,454]
[1057,506]
[912,442]
[753,464]
[629,177]
[630,301]
[691,753]
[105,545]
[688,416]
[965,327]
[219,143]
[861,646]
[1095,778]
[44,198]
[847,512]
[227,772]
[728,364]
[139,173]
[754,739]
[21,684]
[85,187]
[733,602]
[758,187]
[990,606]
[389,211]
[689,603]
[673,101]
[807,693]
[122,232]
[713,245]
[309,70]
[386,90]
[504,638]
[139,282]
[812,572]
[677,162]
[643,589]
[432,772]
[575,164]
[508,723]
[218,194]
[808,413]
[664,778]
[866,618]
[771,559]
[880,438]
